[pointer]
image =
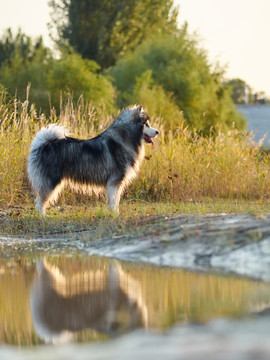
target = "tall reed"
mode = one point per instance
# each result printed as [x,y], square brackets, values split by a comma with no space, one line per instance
[188,166]
[182,166]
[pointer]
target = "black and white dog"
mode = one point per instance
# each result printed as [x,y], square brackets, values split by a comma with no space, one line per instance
[109,161]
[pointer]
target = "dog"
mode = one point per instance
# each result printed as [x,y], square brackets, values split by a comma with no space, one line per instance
[107,162]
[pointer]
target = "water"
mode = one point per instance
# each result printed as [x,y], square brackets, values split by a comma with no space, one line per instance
[258,121]
[74,298]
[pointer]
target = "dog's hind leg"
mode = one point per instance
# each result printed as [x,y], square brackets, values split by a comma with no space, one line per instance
[47,196]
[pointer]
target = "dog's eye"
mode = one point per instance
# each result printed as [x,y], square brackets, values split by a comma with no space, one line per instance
[145,119]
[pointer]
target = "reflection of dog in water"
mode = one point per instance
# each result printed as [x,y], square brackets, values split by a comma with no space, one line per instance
[109,161]
[108,301]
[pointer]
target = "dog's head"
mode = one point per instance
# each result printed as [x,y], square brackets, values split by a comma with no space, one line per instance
[149,133]
[137,116]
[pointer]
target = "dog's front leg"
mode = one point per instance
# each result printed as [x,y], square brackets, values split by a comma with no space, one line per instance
[113,196]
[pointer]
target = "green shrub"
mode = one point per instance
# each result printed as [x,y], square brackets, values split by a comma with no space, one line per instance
[76,76]
[159,103]
[31,63]
[28,63]
[181,69]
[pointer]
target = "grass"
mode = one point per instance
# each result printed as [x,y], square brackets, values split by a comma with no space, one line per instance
[25,221]
[184,173]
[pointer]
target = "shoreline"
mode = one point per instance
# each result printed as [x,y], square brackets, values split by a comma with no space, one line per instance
[224,243]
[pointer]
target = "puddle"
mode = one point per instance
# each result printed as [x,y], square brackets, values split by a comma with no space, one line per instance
[70,297]
[76,296]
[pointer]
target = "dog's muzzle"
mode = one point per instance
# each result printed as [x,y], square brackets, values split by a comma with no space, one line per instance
[149,134]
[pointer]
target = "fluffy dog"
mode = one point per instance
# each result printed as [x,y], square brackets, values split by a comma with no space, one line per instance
[107,162]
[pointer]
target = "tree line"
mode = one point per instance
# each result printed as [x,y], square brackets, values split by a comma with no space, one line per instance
[116,53]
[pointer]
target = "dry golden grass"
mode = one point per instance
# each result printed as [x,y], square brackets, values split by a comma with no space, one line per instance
[183,166]
[188,166]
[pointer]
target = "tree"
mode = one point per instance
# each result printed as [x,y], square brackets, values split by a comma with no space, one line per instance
[103,30]
[237,89]
[19,45]
[30,62]
[24,61]
[180,68]
[73,76]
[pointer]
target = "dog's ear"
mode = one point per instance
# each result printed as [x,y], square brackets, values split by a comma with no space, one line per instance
[140,114]
[139,109]
[143,114]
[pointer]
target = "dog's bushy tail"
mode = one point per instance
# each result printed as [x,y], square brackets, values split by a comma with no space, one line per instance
[43,136]
[46,134]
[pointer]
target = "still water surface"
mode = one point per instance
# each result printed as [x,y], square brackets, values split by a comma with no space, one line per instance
[258,121]
[74,298]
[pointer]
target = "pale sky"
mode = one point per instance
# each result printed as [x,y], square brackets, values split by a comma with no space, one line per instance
[31,15]
[234,32]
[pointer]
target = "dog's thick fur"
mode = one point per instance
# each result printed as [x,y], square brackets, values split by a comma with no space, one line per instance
[109,161]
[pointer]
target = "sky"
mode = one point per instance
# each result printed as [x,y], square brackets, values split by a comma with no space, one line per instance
[235,33]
